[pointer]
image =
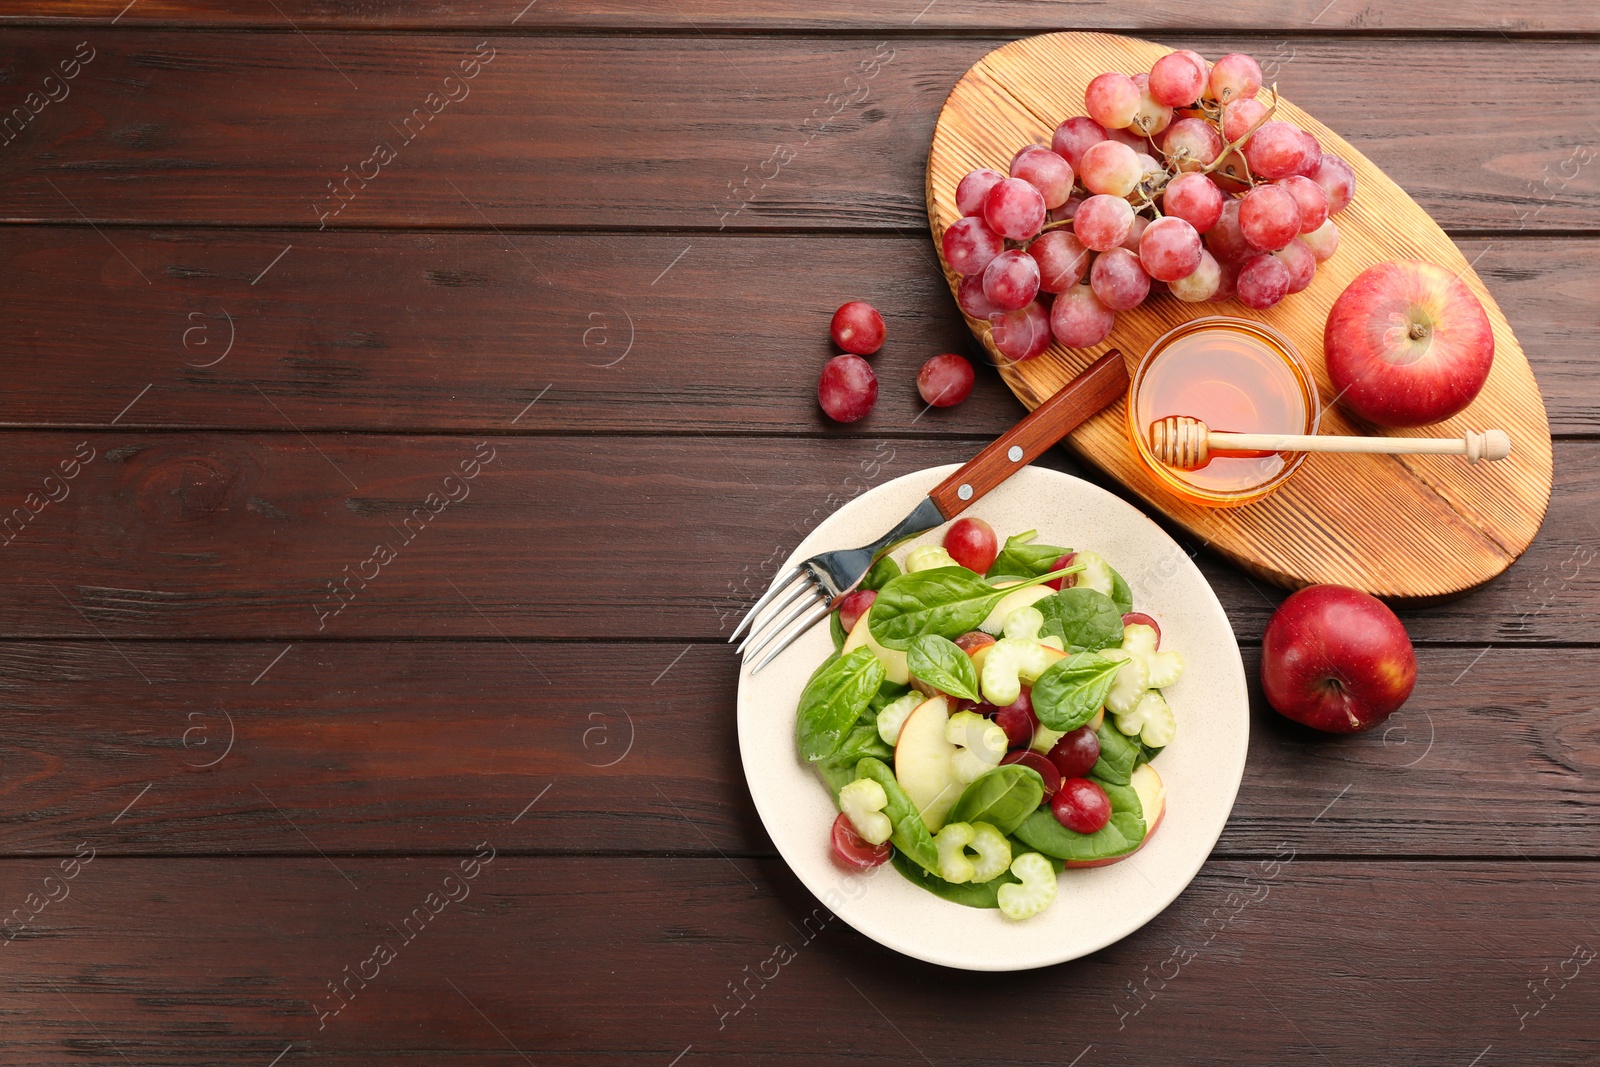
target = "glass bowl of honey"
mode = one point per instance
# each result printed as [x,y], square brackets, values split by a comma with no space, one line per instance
[1235,376]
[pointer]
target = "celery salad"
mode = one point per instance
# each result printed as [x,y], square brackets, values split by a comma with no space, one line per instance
[989,717]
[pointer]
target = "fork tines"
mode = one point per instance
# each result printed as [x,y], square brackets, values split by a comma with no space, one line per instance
[809,610]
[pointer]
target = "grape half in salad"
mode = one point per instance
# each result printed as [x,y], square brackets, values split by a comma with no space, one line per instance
[989,717]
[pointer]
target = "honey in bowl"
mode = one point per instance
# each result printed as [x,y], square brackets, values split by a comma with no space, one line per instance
[1235,376]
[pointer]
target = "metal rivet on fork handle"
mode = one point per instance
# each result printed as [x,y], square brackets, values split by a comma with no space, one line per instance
[1014,453]
[964,492]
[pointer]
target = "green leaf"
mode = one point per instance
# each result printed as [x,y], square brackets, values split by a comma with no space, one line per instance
[1121,595]
[910,834]
[1121,834]
[1072,690]
[883,570]
[1084,619]
[887,694]
[834,699]
[1002,797]
[1021,558]
[939,662]
[1119,754]
[839,770]
[836,630]
[1146,754]
[946,601]
[971,894]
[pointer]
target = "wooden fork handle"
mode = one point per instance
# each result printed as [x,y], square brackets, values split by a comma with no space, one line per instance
[1101,383]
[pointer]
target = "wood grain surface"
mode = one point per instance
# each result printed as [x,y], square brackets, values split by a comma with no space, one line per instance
[1404,527]
[569,608]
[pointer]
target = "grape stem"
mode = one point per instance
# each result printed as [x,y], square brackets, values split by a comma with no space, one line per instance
[1232,146]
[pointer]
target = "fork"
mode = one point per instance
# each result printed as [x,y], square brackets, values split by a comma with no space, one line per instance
[829,575]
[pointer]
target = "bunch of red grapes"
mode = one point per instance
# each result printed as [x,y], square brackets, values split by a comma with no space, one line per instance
[1180,177]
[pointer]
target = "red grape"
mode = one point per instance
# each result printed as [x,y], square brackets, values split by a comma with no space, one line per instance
[1017,720]
[1079,319]
[1065,212]
[1152,116]
[1066,581]
[1081,806]
[1238,116]
[1118,279]
[1337,179]
[1062,260]
[1323,241]
[1309,196]
[1176,79]
[1111,168]
[1011,280]
[1228,282]
[852,851]
[1014,209]
[1039,765]
[1226,240]
[1139,618]
[971,190]
[1263,281]
[1233,76]
[1269,216]
[847,389]
[1170,249]
[1151,169]
[1112,100]
[1103,221]
[1199,61]
[969,295]
[1200,285]
[853,605]
[1076,752]
[945,381]
[1018,154]
[972,543]
[1276,150]
[1301,263]
[1021,334]
[1194,198]
[858,328]
[973,640]
[1046,172]
[1311,155]
[1191,144]
[1132,138]
[1136,231]
[1074,136]
[969,245]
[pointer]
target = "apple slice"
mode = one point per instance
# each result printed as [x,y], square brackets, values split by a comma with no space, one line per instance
[1011,602]
[1152,797]
[894,663]
[922,762]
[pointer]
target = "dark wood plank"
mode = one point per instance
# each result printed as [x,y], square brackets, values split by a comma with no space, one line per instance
[245,535]
[567,961]
[683,132]
[899,16]
[403,748]
[380,331]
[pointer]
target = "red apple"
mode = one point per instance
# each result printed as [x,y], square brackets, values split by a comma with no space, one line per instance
[1336,659]
[1407,344]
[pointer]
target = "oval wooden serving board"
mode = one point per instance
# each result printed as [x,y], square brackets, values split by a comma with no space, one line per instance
[1405,527]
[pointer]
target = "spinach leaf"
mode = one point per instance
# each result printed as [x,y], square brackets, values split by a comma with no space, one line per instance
[880,573]
[836,630]
[1121,595]
[834,699]
[947,601]
[887,694]
[1146,754]
[1119,754]
[1121,834]
[1068,694]
[839,769]
[971,894]
[1084,619]
[1002,797]
[1021,558]
[940,663]
[910,834]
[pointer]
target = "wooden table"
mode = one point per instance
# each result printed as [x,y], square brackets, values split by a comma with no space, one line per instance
[375,515]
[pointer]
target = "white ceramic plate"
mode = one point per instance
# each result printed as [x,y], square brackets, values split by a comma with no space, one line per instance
[1096,906]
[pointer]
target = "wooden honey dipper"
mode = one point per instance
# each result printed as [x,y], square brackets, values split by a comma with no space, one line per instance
[1186,443]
